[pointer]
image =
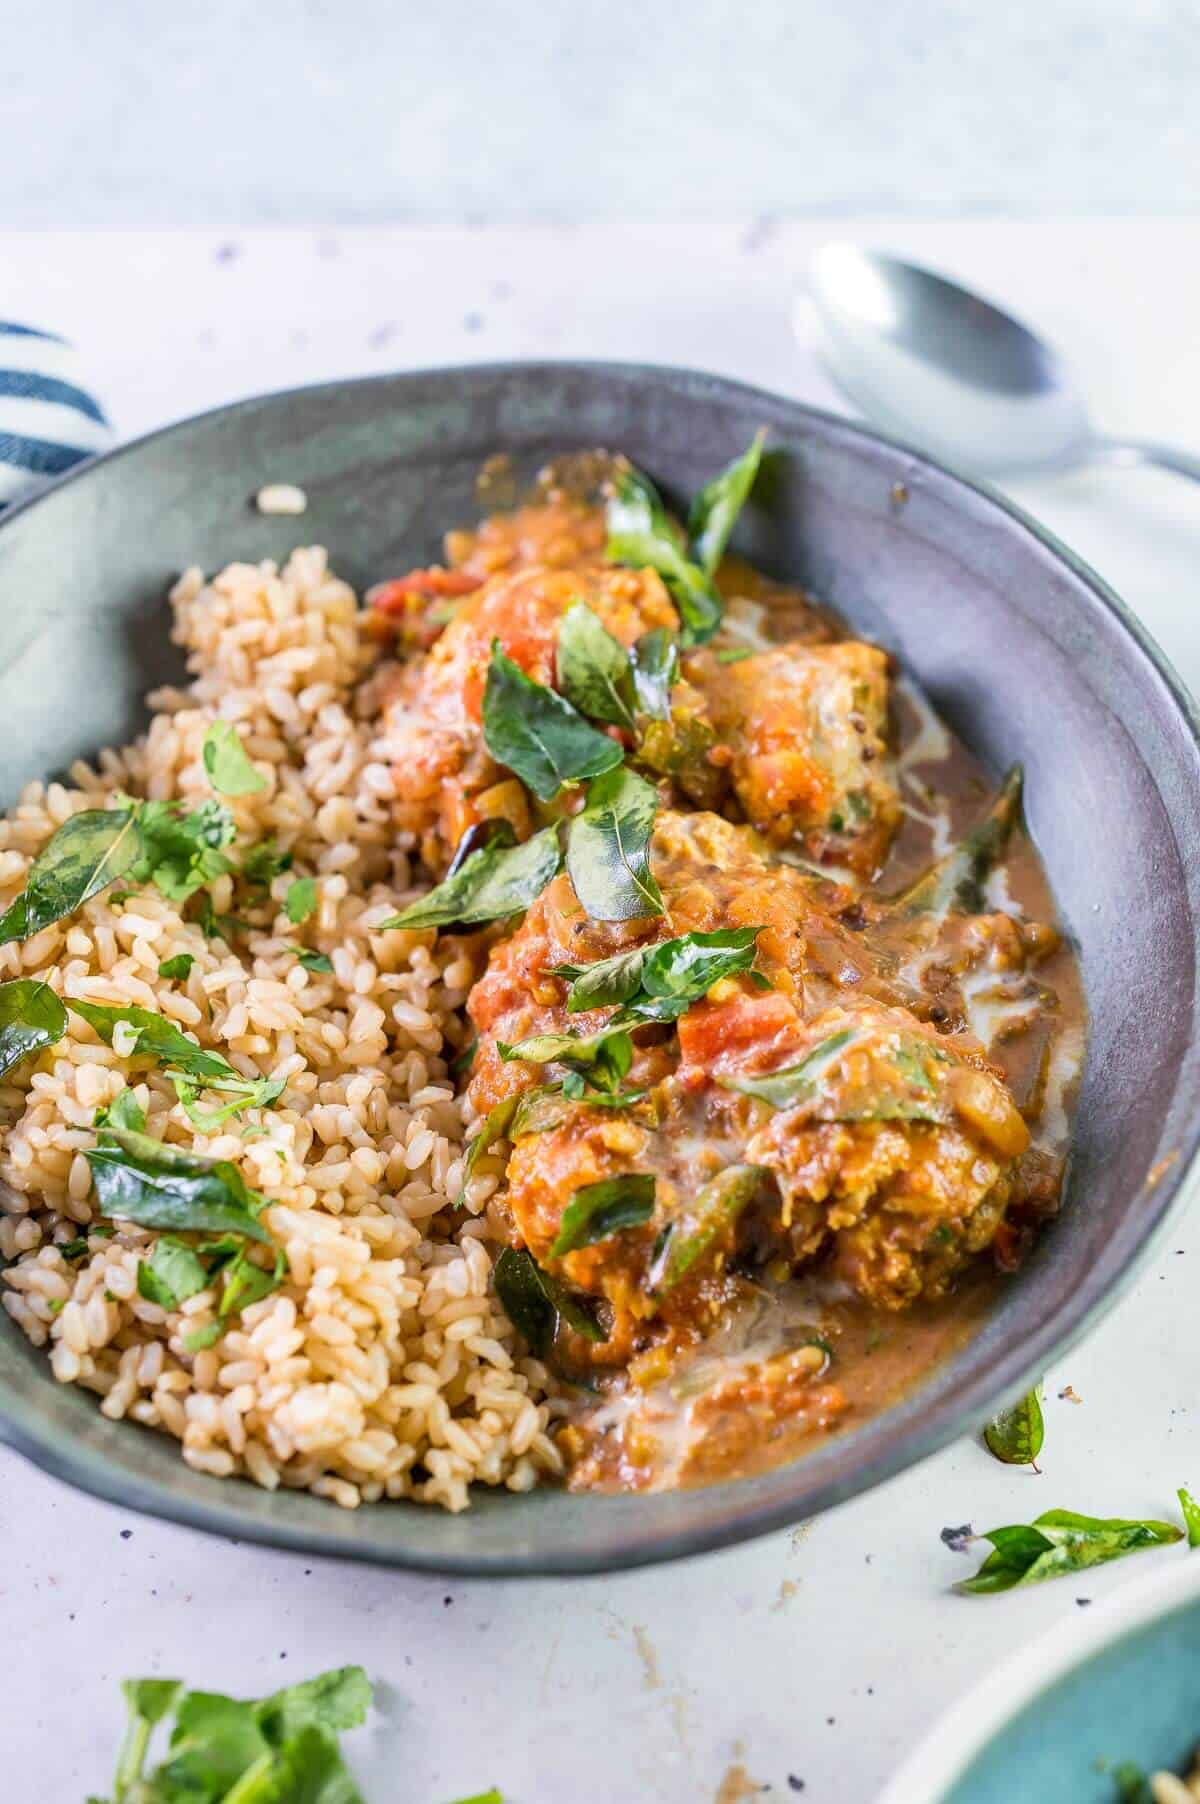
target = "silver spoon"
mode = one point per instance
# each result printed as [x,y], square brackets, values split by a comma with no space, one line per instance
[940,366]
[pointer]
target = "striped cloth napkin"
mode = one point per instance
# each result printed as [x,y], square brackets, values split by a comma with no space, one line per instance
[49,421]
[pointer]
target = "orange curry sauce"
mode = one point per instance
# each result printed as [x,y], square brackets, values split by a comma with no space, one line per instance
[803,786]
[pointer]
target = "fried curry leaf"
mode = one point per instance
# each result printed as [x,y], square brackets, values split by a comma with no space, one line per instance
[957,880]
[694,1234]
[795,1083]
[608,848]
[594,669]
[715,509]
[158,1037]
[535,1303]
[640,533]
[495,882]
[580,1086]
[660,982]
[301,900]
[537,734]
[604,984]
[494,1126]
[598,1210]
[228,763]
[32,1017]
[1058,1542]
[145,1181]
[602,1058]
[87,853]
[655,660]
[173,1273]
[1191,1516]
[1015,1435]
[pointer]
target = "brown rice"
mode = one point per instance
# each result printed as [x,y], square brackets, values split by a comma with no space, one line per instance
[384,1366]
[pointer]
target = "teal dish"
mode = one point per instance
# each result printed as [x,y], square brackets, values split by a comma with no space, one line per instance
[1025,652]
[1120,1684]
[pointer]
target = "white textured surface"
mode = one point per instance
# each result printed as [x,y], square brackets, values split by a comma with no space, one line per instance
[369,110]
[823,1656]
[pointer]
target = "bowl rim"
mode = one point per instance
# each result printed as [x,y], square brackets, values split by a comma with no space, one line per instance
[88,1469]
[961,1734]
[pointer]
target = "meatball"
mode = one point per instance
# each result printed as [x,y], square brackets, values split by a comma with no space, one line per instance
[446,780]
[806,729]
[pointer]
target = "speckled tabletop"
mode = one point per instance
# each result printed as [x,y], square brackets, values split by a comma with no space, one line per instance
[810,1660]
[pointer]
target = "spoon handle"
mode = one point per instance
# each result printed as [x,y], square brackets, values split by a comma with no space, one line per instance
[1128,452]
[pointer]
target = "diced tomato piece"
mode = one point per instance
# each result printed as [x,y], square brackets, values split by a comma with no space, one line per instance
[745,1031]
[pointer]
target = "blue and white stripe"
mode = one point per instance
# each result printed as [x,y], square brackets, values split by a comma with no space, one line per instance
[49,421]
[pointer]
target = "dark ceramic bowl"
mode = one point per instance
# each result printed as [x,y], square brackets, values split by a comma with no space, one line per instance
[1022,648]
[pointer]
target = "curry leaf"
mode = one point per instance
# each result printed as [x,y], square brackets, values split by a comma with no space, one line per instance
[592,1087]
[179,966]
[716,508]
[957,880]
[1059,1542]
[537,734]
[896,1080]
[660,982]
[301,900]
[604,984]
[1015,1435]
[87,853]
[535,1303]
[227,762]
[173,1273]
[31,1018]
[640,533]
[494,1126]
[608,849]
[704,1221]
[1191,1516]
[143,1180]
[594,669]
[498,881]
[797,1082]
[681,971]
[599,1210]
[602,1058]
[655,660]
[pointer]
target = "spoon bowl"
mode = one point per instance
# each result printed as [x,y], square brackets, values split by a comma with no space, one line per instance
[939,365]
